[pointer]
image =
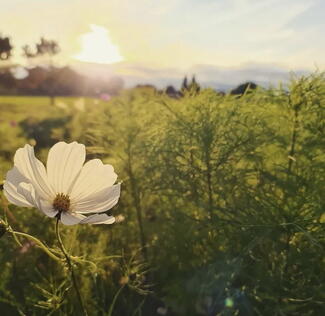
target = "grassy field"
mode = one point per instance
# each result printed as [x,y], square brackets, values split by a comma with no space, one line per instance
[24,117]
[221,211]
[18,108]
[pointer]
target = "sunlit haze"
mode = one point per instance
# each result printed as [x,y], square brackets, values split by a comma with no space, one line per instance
[163,40]
[96,47]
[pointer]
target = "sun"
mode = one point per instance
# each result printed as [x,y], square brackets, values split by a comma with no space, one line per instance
[97,47]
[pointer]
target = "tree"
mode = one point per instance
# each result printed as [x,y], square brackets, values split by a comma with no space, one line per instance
[27,52]
[244,88]
[5,48]
[45,49]
[172,92]
[184,86]
[194,88]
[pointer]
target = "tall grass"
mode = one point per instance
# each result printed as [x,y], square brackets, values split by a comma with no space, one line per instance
[223,204]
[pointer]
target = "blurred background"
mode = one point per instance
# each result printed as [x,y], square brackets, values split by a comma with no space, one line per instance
[223,43]
[212,114]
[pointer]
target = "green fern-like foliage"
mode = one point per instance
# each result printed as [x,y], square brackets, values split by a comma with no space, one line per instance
[221,212]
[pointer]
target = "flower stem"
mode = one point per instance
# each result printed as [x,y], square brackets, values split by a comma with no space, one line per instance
[114,300]
[67,257]
[37,241]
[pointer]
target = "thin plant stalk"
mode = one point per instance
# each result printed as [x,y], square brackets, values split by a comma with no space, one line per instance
[137,203]
[111,308]
[38,242]
[70,267]
[293,140]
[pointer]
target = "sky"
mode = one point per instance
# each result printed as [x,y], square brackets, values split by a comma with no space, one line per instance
[161,40]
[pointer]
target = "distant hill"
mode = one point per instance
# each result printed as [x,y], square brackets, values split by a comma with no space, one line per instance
[218,78]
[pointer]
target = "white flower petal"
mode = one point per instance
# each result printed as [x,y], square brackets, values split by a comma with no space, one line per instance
[90,188]
[27,190]
[64,163]
[32,169]
[68,218]
[94,177]
[13,179]
[99,201]
[47,208]
[98,219]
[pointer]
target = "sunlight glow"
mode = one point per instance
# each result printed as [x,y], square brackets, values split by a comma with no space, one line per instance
[97,47]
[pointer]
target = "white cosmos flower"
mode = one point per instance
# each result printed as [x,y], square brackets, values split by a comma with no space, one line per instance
[67,188]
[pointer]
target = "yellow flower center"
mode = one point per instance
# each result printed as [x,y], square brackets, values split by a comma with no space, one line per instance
[61,203]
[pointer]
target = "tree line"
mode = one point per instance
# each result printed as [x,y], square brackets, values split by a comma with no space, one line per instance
[51,80]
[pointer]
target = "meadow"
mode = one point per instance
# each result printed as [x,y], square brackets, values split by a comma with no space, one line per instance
[221,210]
